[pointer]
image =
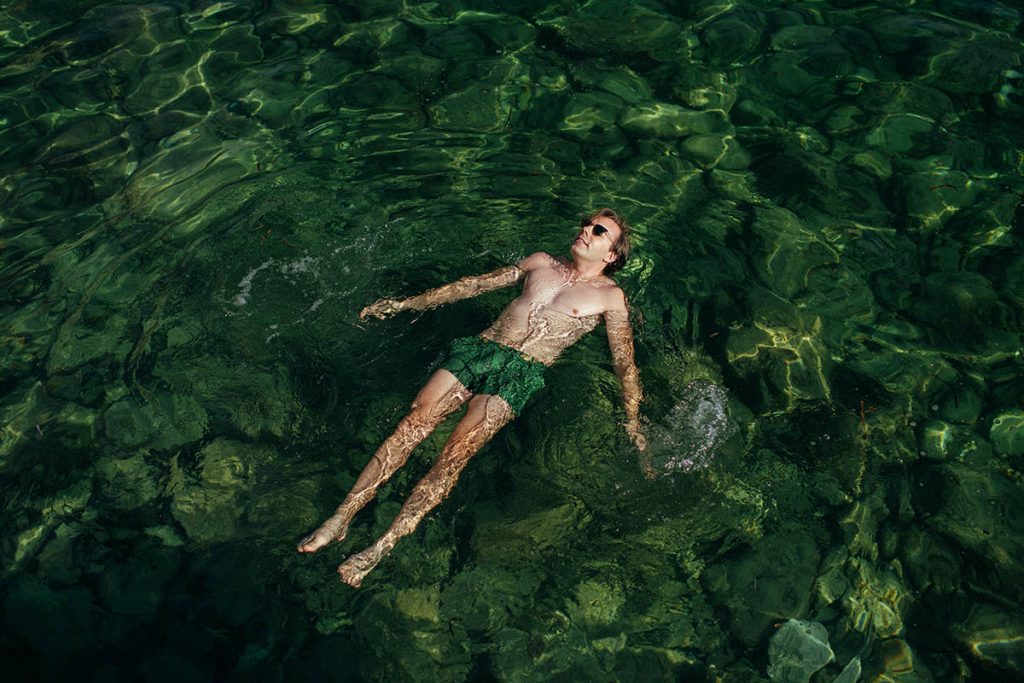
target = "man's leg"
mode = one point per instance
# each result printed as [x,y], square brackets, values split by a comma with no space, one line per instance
[486,415]
[441,395]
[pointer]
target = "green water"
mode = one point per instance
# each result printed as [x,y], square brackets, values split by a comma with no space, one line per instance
[197,198]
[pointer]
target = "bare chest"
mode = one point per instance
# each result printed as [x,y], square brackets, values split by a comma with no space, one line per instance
[549,289]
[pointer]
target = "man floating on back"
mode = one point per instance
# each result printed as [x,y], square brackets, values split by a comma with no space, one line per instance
[496,372]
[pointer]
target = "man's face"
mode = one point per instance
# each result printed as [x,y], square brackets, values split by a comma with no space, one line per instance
[595,240]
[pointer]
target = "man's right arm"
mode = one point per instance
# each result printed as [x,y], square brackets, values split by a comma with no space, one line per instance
[463,288]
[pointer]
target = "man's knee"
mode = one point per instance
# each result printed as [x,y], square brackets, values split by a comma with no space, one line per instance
[423,416]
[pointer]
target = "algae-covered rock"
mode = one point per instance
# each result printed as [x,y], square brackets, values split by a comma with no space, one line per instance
[600,28]
[1007,433]
[970,513]
[797,650]
[420,603]
[210,503]
[995,637]
[485,597]
[772,580]
[929,561]
[477,108]
[672,121]
[127,484]
[597,603]
[592,117]
[135,587]
[164,421]
[783,350]
[52,621]
[876,599]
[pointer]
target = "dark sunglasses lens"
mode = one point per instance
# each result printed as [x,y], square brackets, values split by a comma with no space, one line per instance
[599,230]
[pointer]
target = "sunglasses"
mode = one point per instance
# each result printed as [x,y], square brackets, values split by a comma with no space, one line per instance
[597,230]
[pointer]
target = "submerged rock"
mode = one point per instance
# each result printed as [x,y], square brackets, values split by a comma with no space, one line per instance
[973,511]
[1007,433]
[994,637]
[773,580]
[797,650]
[210,504]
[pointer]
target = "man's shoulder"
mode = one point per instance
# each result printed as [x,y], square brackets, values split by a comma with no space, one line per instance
[614,297]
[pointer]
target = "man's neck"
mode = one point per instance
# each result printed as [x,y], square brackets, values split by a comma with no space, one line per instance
[585,272]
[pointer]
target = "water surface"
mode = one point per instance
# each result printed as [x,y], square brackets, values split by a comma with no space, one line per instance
[198,197]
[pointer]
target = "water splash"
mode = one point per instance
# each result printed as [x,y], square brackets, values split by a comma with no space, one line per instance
[689,438]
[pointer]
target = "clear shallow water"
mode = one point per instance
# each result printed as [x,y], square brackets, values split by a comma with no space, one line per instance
[197,198]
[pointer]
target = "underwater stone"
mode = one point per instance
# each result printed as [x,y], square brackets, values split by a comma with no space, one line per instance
[930,563]
[60,621]
[961,406]
[420,603]
[57,560]
[797,650]
[941,439]
[127,484]
[672,121]
[591,117]
[210,507]
[284,508]
[733,38]
[995,637]
[963,311]
[897,658]
[135,588]
[457,44]
[897,132]
[850,672]
[860,526]
[1007,433]
[506,32]
[972,68]
[621,81]
[783,349]
[164,421]
[597,603]
[477,108]
[498,537]
[802,36]
[707,150]
[876,599]
[832,582]
[771,580]
[607,28]
[971,513]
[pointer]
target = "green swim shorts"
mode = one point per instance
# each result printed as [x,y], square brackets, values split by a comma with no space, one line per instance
[487,367]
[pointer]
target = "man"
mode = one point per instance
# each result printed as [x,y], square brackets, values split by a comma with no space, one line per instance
[496,372]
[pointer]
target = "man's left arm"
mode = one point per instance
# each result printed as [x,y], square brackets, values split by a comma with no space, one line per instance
[620,341]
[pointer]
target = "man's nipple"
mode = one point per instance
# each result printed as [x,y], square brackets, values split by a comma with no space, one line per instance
[575,311]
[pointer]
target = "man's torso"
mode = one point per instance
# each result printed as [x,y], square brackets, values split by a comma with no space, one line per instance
[552,312]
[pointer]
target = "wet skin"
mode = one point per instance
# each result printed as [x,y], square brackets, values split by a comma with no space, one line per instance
[560,302]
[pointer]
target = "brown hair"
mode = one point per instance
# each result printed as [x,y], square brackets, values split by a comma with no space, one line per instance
[621,246]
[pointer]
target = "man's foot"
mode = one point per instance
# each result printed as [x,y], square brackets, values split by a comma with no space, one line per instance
[354,569]
[331,530]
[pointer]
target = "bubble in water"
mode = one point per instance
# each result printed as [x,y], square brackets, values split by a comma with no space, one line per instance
[690,436]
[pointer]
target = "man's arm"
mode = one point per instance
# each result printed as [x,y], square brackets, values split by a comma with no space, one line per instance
[620,341]
[463,288]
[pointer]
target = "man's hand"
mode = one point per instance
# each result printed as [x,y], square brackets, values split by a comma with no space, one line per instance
[382,309]
[637,435]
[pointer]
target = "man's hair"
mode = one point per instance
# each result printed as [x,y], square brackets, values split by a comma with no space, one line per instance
[621,246]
